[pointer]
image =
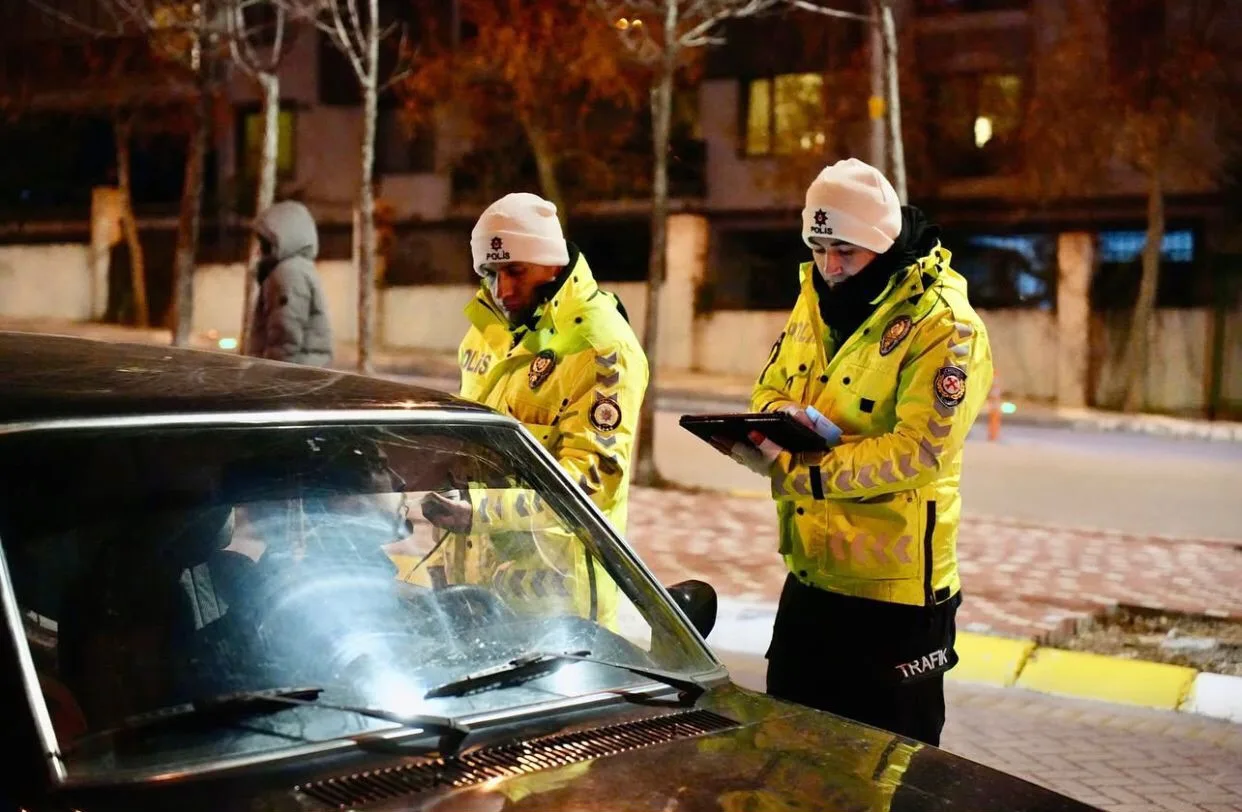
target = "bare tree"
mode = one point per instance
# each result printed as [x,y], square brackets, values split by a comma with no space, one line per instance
[258,41]
[885,81]
[189,35]
[1159,77]
[882,15]
[355,28]
[123,130]
[661,34]
[193,40]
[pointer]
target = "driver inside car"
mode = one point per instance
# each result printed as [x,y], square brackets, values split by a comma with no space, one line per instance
[319,569]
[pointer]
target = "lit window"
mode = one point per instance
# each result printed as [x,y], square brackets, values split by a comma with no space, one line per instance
[975,122]
[759,118]
[785,114]
[983,131]
[252,147]
[1127,246]
[1000,104]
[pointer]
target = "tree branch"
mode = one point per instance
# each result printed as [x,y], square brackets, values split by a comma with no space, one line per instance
[278,41]
[312,12]
[698,34]
[343,43]
[60,16]
[131,12]
[815,8]
[360,35]
[404,66]
[239,48]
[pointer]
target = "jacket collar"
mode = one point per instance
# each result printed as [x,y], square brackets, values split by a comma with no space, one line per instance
[557,313]
[914,280]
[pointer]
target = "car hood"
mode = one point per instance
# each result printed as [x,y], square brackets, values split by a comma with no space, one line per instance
[763,755]
[778,757]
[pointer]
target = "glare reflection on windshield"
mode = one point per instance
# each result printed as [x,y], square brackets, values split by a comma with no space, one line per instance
[204,561]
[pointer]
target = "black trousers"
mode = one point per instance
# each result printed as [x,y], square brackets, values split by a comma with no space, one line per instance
[881,664]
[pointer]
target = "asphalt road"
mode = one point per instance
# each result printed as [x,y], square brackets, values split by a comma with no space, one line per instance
[1134,483]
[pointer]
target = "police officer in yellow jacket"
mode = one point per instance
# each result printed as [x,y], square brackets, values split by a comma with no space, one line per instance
[883,354]
[551,348]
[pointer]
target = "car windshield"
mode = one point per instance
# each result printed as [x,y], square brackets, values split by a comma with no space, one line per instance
[156,566]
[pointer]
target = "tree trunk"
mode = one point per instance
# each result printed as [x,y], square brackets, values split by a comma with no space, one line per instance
[123,128]
[646,472]
[265,194]
[1135,360]
[366,196]
[190,219]
[545,165]
[896,142]
[876,107]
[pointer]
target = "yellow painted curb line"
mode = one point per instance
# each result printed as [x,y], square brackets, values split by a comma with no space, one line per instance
[990,660]
[1110,679]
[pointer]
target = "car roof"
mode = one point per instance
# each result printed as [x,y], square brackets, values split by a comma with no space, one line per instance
[51,377]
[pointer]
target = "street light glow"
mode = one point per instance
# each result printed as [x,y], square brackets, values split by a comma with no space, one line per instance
[983,131]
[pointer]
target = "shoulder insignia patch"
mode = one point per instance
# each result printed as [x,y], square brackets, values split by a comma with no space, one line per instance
[605,413]
[541,367]
[950,385]
[896,330]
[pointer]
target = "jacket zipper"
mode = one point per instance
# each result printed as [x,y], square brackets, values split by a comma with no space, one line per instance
[929,597]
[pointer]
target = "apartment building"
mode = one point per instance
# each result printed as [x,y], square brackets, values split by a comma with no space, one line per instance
[783,95]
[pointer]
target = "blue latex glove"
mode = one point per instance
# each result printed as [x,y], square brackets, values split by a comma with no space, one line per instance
[823,426]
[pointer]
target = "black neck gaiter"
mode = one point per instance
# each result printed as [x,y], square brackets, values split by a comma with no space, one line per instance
[847,305]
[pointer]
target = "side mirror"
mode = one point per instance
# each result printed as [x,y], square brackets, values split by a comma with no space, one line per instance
[698,600]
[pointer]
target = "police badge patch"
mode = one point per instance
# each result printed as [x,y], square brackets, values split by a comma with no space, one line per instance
[896,330]
[605,413]
[541,367]
[950,385]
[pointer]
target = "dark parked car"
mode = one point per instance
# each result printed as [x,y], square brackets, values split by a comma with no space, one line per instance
[220,592]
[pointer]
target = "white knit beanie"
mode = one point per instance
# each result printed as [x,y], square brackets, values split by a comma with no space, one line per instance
[852,202]
[519,227]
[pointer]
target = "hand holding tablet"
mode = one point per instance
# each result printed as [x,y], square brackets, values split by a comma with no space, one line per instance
[781,427]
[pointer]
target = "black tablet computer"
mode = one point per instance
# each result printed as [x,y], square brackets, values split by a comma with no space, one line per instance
[780,427]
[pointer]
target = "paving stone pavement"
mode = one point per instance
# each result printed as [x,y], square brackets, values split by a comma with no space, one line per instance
[1019,579]
[1117,758]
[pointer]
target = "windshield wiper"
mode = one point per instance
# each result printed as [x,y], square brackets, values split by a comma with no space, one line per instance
[536,664]
[226,707]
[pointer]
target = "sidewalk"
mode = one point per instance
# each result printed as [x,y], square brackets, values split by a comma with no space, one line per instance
[685,386]
[1027,589]
[1118,758]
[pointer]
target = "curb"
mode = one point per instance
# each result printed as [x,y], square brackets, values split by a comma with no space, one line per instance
[1005,662]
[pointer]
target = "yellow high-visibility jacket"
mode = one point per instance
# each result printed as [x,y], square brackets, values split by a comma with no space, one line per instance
[877,516]
[576,380]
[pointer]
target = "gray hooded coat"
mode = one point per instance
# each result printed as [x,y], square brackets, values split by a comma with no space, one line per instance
[291,317]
